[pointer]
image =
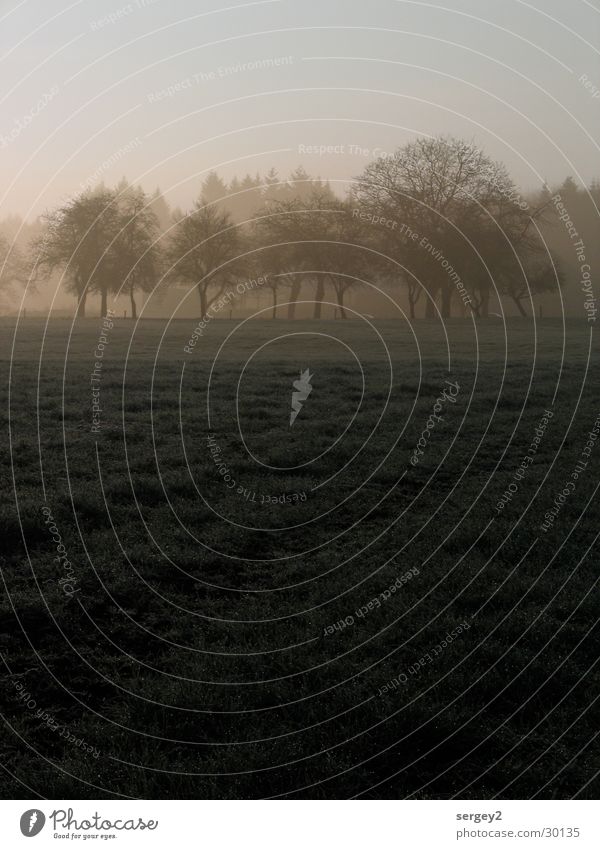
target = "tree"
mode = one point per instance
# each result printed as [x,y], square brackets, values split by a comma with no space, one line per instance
[276,230]
[532,274]
[134,255]
[272,259]
[446,197]
[571,233]
[339,252]
[274,282]
[13,269]
[308,237]
[160,208]
[77,238]
[213,188]
[244,198]
[203,252]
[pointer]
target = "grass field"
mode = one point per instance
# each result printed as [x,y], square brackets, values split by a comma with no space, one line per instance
[181,644]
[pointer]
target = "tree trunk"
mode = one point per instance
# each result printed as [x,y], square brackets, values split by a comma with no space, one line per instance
[294,292]
[203,301]
[274,304]
[484,309]
[411,307]
[519,306]
[104,302]
[413,297]
[319,292]
[133,304]
[340,300]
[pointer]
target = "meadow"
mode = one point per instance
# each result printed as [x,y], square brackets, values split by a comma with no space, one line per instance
[229,613]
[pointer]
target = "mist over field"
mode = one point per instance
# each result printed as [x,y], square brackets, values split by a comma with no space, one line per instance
[299,401]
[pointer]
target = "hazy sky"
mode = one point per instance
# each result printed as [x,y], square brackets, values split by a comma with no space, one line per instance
[157,90]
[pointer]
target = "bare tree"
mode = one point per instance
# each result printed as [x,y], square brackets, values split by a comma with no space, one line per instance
[77,238]
[276,231]
[446,197]
[203,251]
[530,275]
[135,255]
[313,237]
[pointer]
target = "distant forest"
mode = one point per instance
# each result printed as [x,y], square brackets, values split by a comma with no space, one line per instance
[436,229]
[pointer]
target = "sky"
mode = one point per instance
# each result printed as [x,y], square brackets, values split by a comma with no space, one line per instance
[164,91]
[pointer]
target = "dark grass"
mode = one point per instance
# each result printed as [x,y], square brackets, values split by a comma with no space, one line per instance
[193,656]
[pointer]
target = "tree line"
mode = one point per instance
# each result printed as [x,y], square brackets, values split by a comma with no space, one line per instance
[438,220]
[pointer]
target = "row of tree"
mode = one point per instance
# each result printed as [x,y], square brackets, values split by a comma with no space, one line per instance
[438,218]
